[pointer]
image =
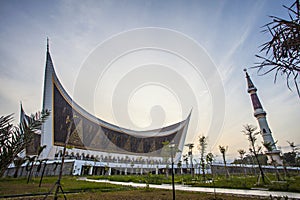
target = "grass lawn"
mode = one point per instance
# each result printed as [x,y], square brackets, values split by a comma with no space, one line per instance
[10,186]
[290,184]
[142,194]
[77,189]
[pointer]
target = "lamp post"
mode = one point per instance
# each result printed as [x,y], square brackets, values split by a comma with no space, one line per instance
[172,146]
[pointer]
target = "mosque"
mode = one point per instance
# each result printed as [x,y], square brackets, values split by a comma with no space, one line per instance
[95,143]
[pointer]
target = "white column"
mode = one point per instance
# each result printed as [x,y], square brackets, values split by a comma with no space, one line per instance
[91,170]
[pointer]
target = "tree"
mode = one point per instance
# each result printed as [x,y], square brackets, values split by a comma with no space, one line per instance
[13,139]
[209,160]
[223,150]
[18,161]
[269,146]
[186,159]
[190,154]
[45,164]
[29,166]
[242,152]
[290,158]
[179,165]
[293,147]
[202,149]
[249,131]
[35,159]
[282,52]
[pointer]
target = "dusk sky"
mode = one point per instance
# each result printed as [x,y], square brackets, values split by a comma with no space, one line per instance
[227,34]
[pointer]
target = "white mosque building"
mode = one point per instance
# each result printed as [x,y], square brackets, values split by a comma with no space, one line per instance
[95,142]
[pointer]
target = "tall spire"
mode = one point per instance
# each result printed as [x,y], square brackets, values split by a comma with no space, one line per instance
[49,72]
[249,82]
[260,115]
[47,100]
[252,91]
[49,63]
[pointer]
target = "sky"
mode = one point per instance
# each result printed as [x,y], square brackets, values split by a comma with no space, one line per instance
[149,87]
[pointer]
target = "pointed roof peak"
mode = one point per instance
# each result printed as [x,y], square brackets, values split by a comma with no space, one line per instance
[247,75]
[49,63]
[47,44]
[249,82]
[252,91]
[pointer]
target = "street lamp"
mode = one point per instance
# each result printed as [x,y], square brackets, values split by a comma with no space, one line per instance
[172,147]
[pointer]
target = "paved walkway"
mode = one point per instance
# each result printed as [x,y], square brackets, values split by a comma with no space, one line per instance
[204,189]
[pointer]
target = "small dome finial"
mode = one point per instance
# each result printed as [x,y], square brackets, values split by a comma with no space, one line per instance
[245,69]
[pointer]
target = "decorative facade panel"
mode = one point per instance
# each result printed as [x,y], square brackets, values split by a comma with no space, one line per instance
[88,134]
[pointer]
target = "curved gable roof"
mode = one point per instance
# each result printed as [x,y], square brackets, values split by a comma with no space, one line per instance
[90,132]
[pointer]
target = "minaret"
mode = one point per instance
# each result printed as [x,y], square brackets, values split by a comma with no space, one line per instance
[260,115]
